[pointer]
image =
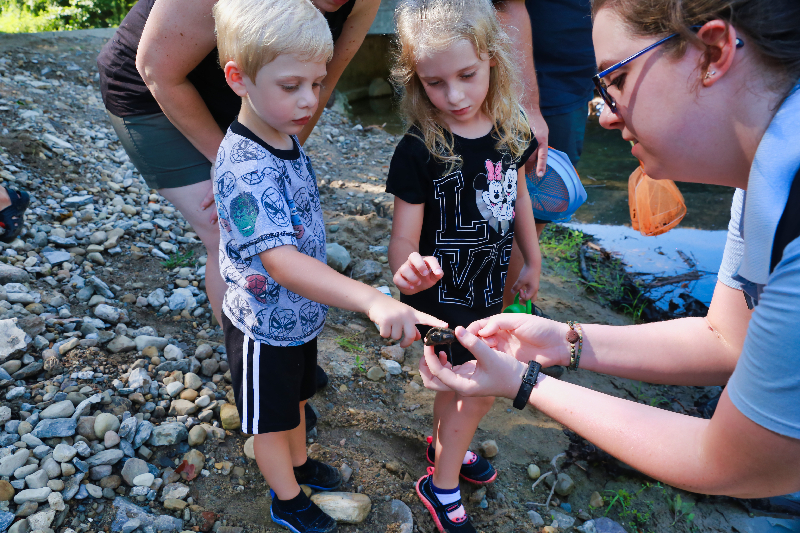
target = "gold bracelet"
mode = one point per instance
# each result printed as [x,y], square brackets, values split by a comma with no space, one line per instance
[574,337]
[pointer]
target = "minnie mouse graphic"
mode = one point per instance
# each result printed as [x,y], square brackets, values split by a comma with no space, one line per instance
[496,204]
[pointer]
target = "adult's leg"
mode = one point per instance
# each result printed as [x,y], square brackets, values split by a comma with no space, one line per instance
[169,163]
[566,132]
[187,200]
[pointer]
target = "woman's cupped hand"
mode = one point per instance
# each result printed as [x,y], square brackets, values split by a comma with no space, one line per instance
[493,373]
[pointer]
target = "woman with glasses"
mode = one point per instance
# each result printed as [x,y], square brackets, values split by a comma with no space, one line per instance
[707,91]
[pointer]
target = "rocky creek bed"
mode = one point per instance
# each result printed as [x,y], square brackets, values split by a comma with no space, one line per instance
[116,411]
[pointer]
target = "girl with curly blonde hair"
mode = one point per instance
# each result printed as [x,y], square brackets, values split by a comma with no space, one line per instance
[460,203]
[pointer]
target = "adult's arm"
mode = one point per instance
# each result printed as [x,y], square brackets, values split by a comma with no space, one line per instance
[346,46]
[177,36]
[686,351]
[514,18]
[729,454]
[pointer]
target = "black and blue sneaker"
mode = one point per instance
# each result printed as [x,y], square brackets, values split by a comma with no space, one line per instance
[317,475]
[300,515]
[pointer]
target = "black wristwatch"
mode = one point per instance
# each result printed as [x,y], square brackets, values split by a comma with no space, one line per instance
[528,381]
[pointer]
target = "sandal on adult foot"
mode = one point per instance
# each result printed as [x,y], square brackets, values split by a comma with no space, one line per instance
[11,218]
[439,511]
[479,471]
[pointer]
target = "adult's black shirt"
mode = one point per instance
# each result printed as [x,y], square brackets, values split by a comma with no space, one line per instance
[468,223]
[125,93]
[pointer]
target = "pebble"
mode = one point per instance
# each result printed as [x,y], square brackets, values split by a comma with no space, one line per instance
[533,471]
[596,500]
[564,484]
[489,449]
[229,417]
[375,373]
[103,423]
[197,436]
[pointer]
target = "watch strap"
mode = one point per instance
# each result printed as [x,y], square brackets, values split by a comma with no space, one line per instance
[526,387]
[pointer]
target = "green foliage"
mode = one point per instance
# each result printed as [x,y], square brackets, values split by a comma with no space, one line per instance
[681,509]
[635,309]
[178,259]
[349,344]
[636,510]
[652,401]
[21,16]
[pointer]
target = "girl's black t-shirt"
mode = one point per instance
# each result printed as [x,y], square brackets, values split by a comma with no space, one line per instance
[125,93]
[468,222]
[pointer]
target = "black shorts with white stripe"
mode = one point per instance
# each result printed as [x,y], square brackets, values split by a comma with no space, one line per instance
[269,382]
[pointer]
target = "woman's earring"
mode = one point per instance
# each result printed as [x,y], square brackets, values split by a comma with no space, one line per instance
[709,74]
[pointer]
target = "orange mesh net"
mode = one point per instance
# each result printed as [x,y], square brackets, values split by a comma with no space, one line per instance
[656,206]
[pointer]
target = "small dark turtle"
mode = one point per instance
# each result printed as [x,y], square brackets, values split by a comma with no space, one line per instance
[437,336]
[440,336]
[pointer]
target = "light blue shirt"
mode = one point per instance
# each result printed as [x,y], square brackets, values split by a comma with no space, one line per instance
[765,386]
[266,198]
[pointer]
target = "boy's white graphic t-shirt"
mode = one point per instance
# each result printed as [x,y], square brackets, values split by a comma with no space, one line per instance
[266,198]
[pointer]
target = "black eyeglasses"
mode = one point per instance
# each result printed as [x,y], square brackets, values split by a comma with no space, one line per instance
[602,88]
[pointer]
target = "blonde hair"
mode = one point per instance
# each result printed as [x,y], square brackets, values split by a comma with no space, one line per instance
[252,33]
[428,26]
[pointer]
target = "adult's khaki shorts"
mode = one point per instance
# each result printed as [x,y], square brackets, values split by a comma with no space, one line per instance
[162,155]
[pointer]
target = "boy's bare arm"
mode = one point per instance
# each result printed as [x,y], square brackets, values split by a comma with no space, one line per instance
[316,281]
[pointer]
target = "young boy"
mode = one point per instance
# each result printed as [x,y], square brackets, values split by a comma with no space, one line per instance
[272,245]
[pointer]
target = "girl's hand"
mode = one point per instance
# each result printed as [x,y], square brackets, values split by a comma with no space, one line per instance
[493,373]
[398,321]
[417,274]
[527,284]
[525,337]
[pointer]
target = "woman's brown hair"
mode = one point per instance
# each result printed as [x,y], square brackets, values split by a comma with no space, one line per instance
[770,27]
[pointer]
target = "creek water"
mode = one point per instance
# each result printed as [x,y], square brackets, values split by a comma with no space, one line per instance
[695,244]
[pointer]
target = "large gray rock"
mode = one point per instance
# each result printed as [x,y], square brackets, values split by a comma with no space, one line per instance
[71,486]
[182,299]
[176,491]
[55,427]
[143,433]
[121,344]
[106,457]
[107,313]
[12,274]
[28,371]
[143,341]
[126,511]
[5,518]
[367,271]
[346,507]
[139,377]
[401,513]
[157,298]
[32,495]
[13,340]
[11,462]
[338,256]
[62,409]
[168,434]
[133,467]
